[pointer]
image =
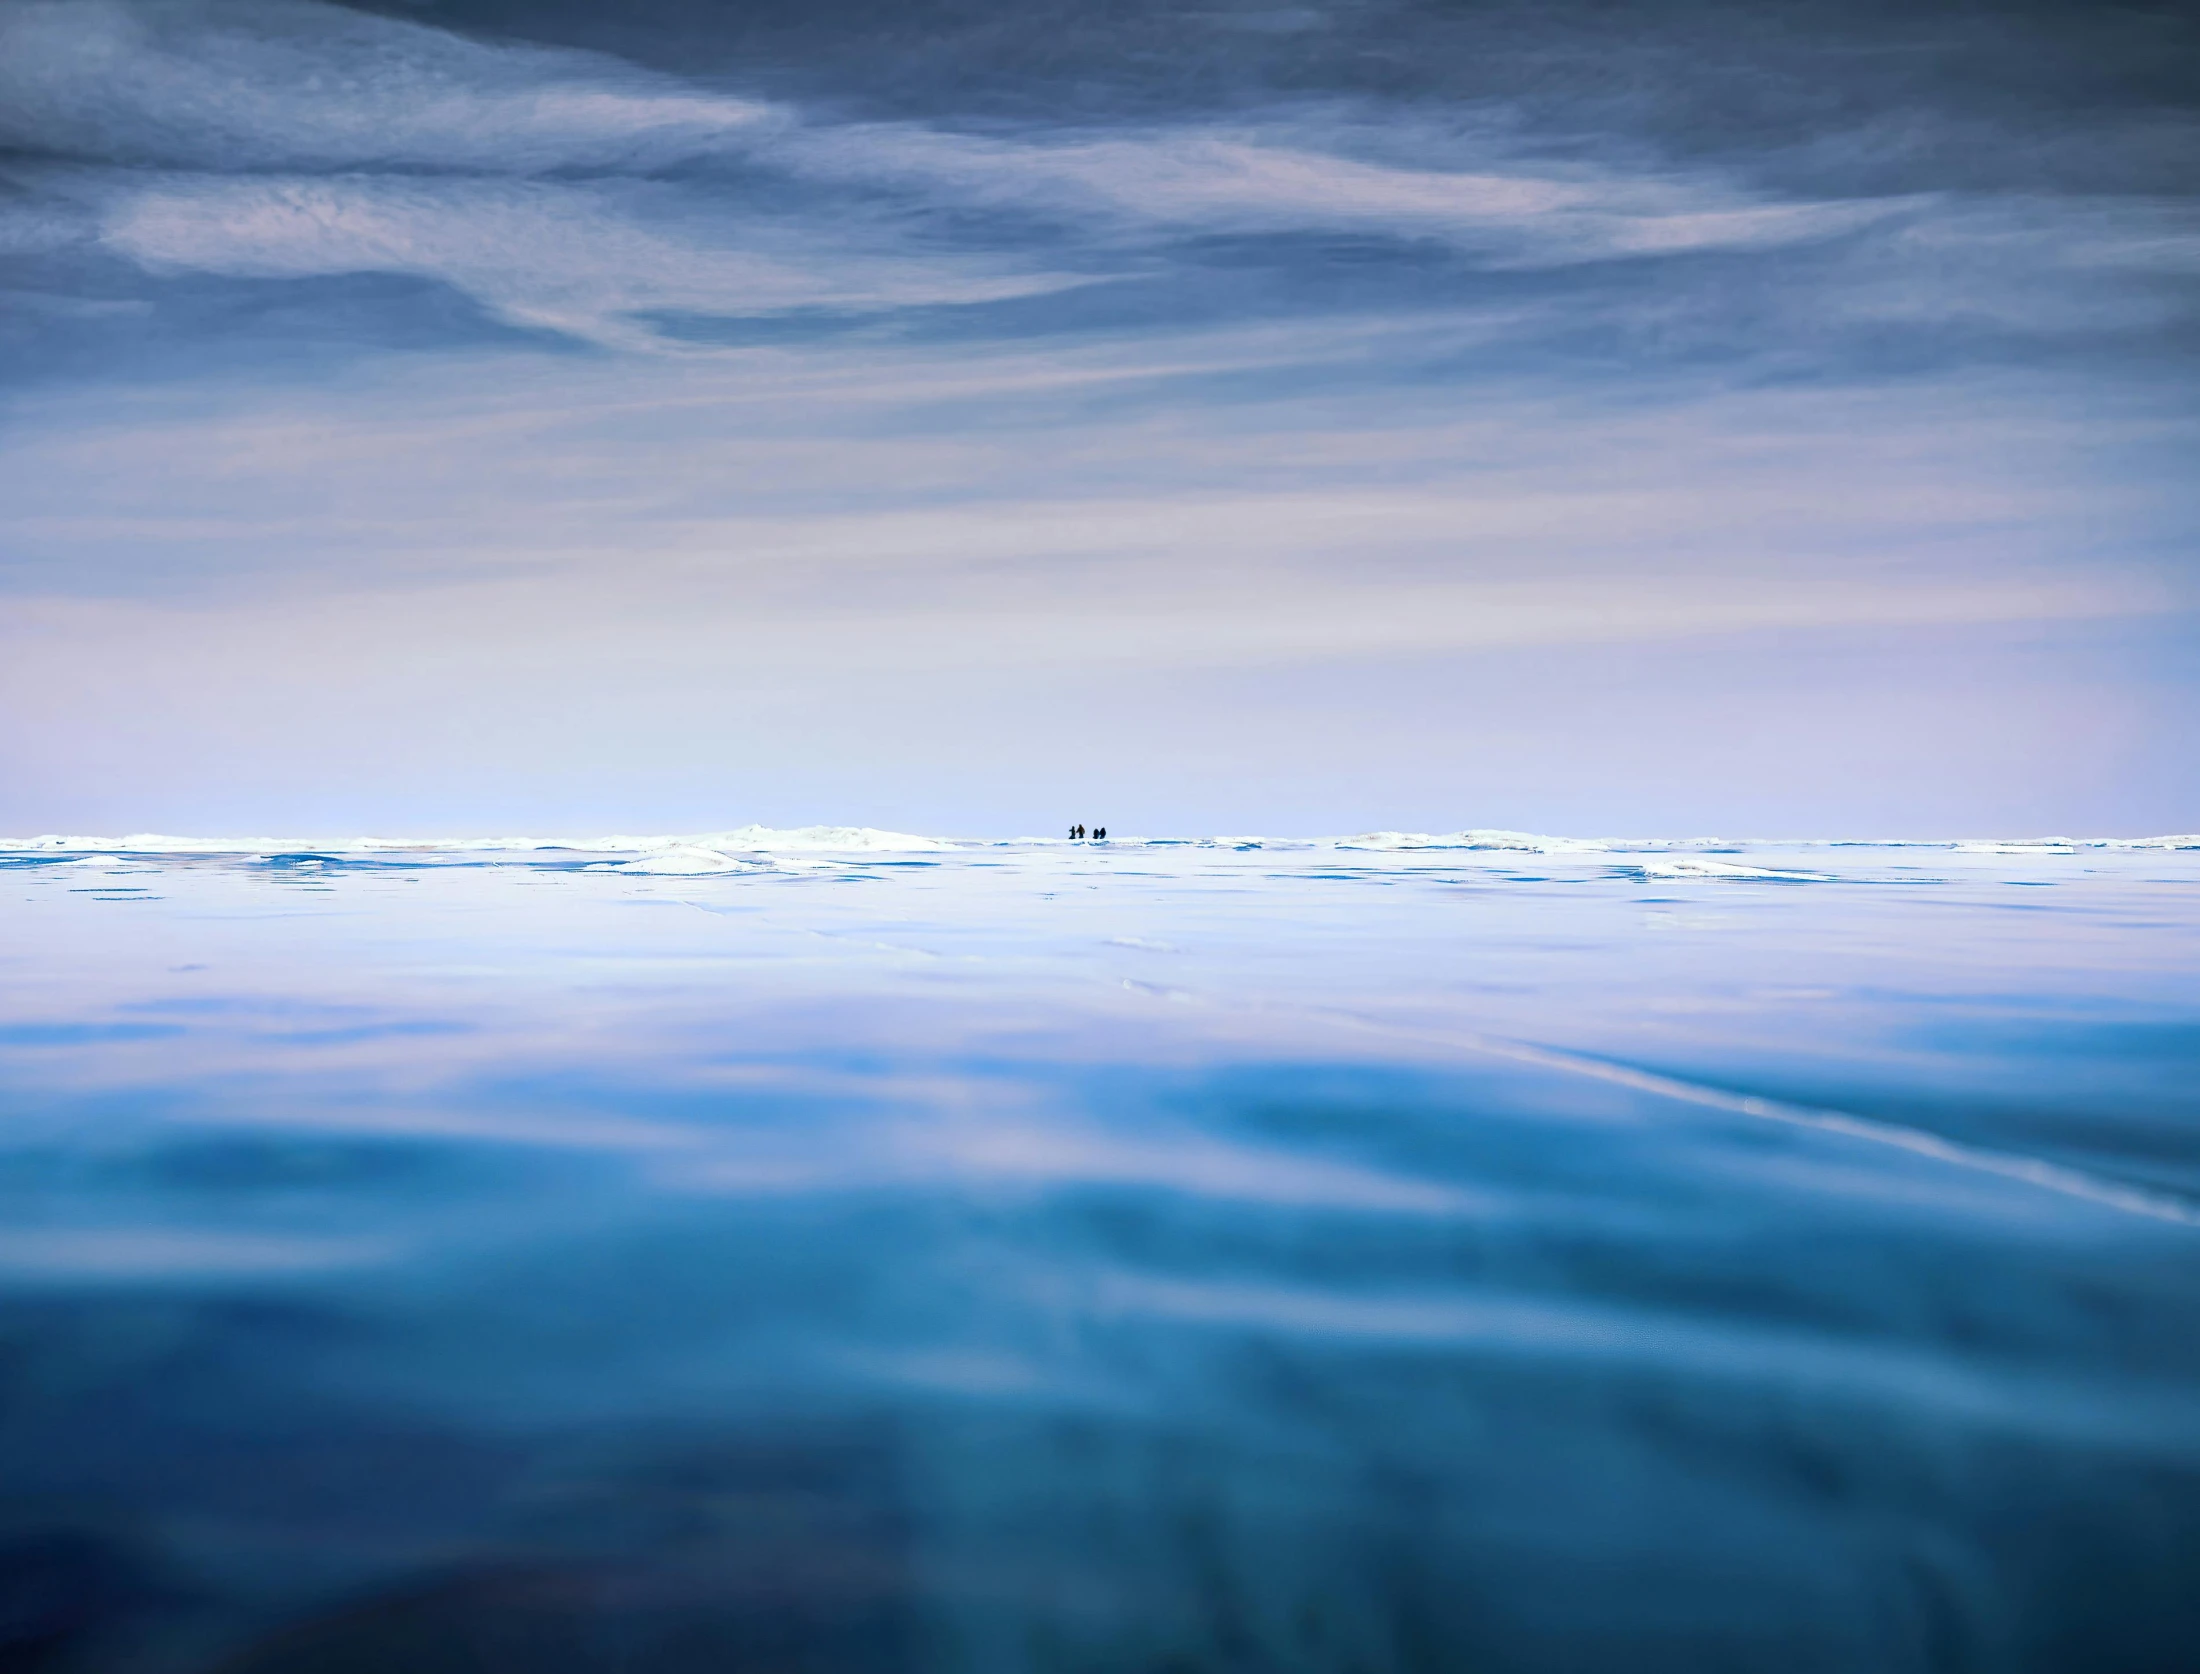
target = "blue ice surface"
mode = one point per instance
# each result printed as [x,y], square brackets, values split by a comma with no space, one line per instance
[843,1253]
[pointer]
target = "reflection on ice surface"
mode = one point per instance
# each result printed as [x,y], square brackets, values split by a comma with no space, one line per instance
[847,1251]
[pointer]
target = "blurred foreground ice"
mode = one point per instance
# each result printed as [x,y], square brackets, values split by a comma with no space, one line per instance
[834,1249]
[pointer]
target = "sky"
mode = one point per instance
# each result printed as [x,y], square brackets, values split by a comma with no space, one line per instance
[481,416]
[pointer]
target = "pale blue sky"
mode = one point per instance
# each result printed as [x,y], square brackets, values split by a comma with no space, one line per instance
[467,417]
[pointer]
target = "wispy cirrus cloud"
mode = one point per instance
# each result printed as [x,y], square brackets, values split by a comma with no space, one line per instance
[294,139]
[572,256]
[228,85]
[260,137]
[1219,180]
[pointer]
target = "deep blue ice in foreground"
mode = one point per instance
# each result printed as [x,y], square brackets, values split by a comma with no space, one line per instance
[832,1251]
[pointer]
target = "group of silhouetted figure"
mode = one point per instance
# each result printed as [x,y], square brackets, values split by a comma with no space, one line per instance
[1077,833]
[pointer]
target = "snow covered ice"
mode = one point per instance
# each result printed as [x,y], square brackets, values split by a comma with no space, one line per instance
[1477,1250]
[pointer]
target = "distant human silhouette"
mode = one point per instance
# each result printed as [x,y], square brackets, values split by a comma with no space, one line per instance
[1099,832]
[1075,832]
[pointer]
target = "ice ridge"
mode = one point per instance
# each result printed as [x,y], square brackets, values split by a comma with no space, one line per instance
[755,844]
